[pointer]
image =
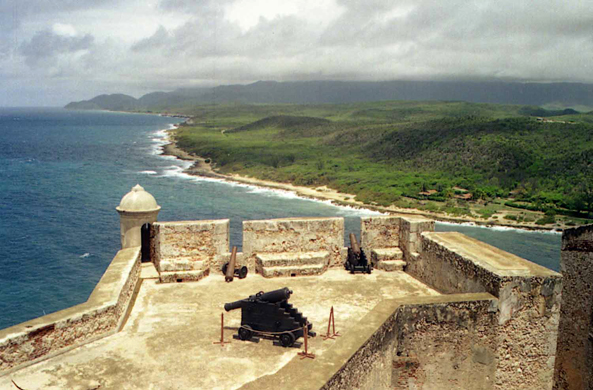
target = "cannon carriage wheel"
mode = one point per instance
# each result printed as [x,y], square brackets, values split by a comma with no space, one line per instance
[241,272]
[245,332]
[287,339]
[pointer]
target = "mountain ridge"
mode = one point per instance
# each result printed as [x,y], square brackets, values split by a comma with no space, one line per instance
[337,92]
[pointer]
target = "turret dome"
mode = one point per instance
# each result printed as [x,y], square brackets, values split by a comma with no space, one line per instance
[138,200]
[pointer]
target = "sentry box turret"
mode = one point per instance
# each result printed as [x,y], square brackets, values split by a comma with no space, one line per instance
[269,314]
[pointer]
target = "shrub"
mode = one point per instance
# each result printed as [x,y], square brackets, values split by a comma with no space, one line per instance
[548,219]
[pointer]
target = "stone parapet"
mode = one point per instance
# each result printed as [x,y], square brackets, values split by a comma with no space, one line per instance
[101,315]
[294,235]
[189,245]
[529,301]
[451,337]
[411,234]
[379,232]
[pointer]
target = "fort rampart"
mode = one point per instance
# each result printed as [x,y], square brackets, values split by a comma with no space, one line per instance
[101,315]
[493,327]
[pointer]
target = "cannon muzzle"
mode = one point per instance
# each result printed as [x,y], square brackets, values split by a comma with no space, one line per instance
[234,305]
[354,244]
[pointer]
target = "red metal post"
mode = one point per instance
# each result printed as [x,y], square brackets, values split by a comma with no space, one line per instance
[306,354]
[221,342]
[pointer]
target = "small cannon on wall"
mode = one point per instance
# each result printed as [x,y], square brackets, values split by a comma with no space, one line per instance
[357,260]
[270,314]
[229,269]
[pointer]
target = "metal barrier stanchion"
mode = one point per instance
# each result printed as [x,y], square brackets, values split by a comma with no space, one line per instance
[331,324]
[221,342]
[306,353]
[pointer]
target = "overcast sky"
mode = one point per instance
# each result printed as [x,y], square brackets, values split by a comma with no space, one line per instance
[55,51]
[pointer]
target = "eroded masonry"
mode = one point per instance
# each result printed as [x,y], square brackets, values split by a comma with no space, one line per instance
[438,311]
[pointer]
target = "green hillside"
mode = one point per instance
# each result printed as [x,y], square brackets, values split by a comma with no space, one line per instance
[389,152]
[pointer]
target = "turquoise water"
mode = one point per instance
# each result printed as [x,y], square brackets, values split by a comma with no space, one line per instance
[63,172]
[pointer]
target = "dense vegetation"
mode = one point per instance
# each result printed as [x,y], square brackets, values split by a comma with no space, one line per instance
[389,152]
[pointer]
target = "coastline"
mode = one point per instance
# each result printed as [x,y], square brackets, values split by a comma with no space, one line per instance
[201,168]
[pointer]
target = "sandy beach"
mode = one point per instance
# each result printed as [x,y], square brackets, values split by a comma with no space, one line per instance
[201,168]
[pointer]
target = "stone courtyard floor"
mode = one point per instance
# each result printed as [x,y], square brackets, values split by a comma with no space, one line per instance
[167,342]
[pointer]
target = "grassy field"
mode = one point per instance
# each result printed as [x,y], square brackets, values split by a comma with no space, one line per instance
[388,152]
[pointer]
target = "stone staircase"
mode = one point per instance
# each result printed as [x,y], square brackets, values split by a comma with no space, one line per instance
[388,259]
[182,269]
[273,265]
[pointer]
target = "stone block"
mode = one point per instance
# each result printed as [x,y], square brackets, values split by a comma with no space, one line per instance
[382,254]
[292,264]
[302,270]
[390,265]
[182,276]
[292,258]
[182,264]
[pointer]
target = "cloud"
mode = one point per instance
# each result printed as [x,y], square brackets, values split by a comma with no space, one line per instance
[47,45]
[137,47]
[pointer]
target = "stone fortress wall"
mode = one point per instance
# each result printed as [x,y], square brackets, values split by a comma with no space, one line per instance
[494,327]
[103,314]
[574,364]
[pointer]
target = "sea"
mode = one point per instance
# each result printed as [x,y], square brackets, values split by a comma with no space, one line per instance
[63,172]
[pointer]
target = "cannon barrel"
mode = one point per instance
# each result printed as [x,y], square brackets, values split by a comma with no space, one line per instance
[230,271]
[270,297]
[354,244]
[235,305]
[275,296]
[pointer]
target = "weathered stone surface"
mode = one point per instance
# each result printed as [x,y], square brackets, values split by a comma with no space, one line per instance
[387,259]
[99,316]
[183,276]
[292,263]
[410,234]
[529,302]
[379,232]
[447,345]
[189,245]
[293,270]
[381,254]
[292,258]
[390,265]
[574,363]
[294,235]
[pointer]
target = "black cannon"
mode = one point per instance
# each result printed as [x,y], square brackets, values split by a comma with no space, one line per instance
[270,314]
[357,259]
[229,269]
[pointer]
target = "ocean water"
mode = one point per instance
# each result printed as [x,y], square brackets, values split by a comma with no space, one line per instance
[62,173]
